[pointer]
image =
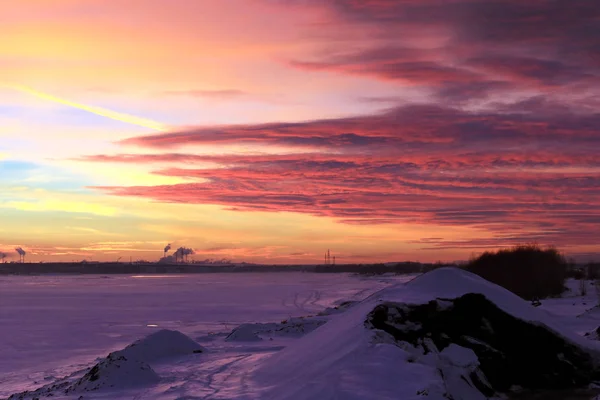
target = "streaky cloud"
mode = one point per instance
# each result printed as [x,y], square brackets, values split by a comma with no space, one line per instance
[528,168]
[103,112]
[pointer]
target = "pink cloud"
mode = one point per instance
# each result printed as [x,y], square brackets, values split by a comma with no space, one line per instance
[505,172]
[416,128]
[523,166]
[468,49]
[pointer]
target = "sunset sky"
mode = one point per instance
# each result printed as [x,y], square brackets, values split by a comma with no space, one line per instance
[272,130]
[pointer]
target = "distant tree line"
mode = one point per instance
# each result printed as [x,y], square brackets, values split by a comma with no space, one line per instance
[592,270]
[527,270]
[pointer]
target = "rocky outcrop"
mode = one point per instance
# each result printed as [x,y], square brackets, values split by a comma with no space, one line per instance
[509,351]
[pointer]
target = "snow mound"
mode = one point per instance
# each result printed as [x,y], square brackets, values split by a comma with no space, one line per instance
[293,327]
[112,373]
[123,369]
[446,334]
[298,326]
[450,283]
[160,345]
[115,372]
[343,306]
[244,333]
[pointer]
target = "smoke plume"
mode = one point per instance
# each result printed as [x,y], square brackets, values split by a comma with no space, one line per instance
[182,253]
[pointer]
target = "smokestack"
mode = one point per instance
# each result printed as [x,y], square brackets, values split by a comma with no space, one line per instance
[21,254]
[182,254]
[187,252]
[167,248]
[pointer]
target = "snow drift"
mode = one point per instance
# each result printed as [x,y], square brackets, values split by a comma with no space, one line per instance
[130,366]
[115,372]
[245,333]
[446,334]
[293,327]
[124,369]
[160,345]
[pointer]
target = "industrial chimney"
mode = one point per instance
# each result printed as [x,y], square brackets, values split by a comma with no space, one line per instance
[21,254]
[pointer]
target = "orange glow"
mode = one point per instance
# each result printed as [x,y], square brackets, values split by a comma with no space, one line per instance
[269,131]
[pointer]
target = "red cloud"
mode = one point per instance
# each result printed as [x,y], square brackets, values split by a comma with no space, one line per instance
[526,170]
[487,47]
[419,128]
[408,72]
[506,172]
[430,160]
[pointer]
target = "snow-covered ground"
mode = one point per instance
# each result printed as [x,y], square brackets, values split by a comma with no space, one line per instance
[285,336]
[52,326]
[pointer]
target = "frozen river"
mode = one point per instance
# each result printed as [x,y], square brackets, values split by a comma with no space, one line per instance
[53,325]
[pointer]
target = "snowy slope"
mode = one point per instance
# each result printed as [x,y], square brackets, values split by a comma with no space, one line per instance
[339,360]
[345,359]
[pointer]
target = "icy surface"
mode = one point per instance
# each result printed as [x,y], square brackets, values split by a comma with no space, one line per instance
[255,345]
[54,326]
[245,333]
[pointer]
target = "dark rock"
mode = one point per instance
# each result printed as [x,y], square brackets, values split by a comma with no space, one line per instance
[510,351]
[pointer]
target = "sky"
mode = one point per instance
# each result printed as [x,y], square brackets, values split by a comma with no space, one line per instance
[272,130]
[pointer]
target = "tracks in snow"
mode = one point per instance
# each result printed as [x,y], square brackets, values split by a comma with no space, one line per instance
[301,300]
